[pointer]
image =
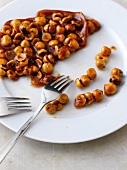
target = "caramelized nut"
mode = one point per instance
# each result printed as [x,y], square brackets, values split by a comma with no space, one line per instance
[20,57]
[63,52]
[117,71]
[47,68]
[25,43]
[39,45]
[66,19]
[89,98]
[35,31]
[6,29]
[42,52]
[3,61]
[106,51]
[78,83]
[50,108]
[11,64]
[40,20]
[72,36]
[28,51]
[110,89]
[85,80]
[74,44]
[63,98]
[18,49]
[80,101]
[70,27]
[53,42]
[6,40]
[60,37]
[100,64]
[46,37]
[115,79]
[102,57]
[91,73]
[15,24]
[2,72]
[60,29]
[98,95]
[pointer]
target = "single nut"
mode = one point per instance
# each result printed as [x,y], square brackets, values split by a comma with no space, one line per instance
[63,98]
[110,89]
[46,37]
[2,72]
[21,57]
[39,45]
[49,58]
[60,37]
[53,43]
[11,64]
[74,44]
[42,52]
[117,71]
[89,98]
[34,41]
[50,28]
[47,68]
[59,107]
[51,22]
[39,63]
[18,49]
[70,27]
[91,27]
[98,95]
[77,23]
[72,36]
[78,83]
[100,64]
[23,63]
[6,41]
[6,29]
[11,75]
[115,79]
[106,51]
[40,20]
[102,57]
[80,101]
[85,80]
[3,61]
[29,36]
[15,24]
[28,51]
[35,31]
[24,27]
[25,43]
[58,14]
[60,29]
[91,73]
[50,108]
[63,52]
[66,19]
[19,36]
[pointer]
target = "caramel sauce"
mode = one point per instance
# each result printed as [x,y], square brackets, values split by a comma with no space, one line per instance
[81,32]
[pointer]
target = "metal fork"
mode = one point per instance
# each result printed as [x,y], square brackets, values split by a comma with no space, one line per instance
[11,105]
[49,93]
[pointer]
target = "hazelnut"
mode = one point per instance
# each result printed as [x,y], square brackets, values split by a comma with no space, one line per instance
[110,89]
[106,51]
[115,79]
[46,37]
[47,68]
[117,71]
[98,95]
[91,73]
[40,20]
[6,40]
[80,101]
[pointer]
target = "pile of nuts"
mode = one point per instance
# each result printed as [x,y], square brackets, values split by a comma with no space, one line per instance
[88,98]
[31,47]
[57,105]
[103,57]
[115,80]
[84,80]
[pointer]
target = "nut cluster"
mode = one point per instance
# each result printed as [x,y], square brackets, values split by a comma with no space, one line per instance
[115,80]
[84,80]
[103,57]
[57,105]
[32,46]
[88,98]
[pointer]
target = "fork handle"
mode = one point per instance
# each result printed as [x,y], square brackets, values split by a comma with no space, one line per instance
[9,145]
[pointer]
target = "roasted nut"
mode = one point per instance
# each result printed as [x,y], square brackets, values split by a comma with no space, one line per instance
[18,49]
[59,107]
[57,19]
[24,27]
[106,51]
[46,37]
[42,52]
[69,27]
[72,36]
[115,79]
[80,101]
[102,57]
[33,25]
[39,45]
[12,75]
[91,73]
[117,71]
[25,43]
[47,68]
[74,44]
[78,83]
[15,24]
[28,51]
[2,72]
[53,43]
[18,38]
[89,98]
[91,27]
[85,80]
[29,36]
[60,37]
[50,28]
[3,61]
[40,20]
[23,63]
[66,19]
[35,69]
[21,56]
[77,23]
[110,89]
[11,64]
[50,108]
[35,31]
[39,75]
[98,95]
[6,29]
[63,52]
[100,64]
[2,55]
[51,22]
[58,14]
[6,40]
[39,63]
[60,29]
[63,98]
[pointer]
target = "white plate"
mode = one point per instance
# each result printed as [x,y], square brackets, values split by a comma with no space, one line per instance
[75,125]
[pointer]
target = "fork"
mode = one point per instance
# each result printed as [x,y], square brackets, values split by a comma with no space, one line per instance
[49,93]
[11,105]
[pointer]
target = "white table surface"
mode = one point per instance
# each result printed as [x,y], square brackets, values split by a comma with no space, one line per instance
[107,153]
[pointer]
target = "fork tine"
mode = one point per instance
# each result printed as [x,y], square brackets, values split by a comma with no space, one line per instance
[15,98]
[13,102]
[64,85]
[61,82]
